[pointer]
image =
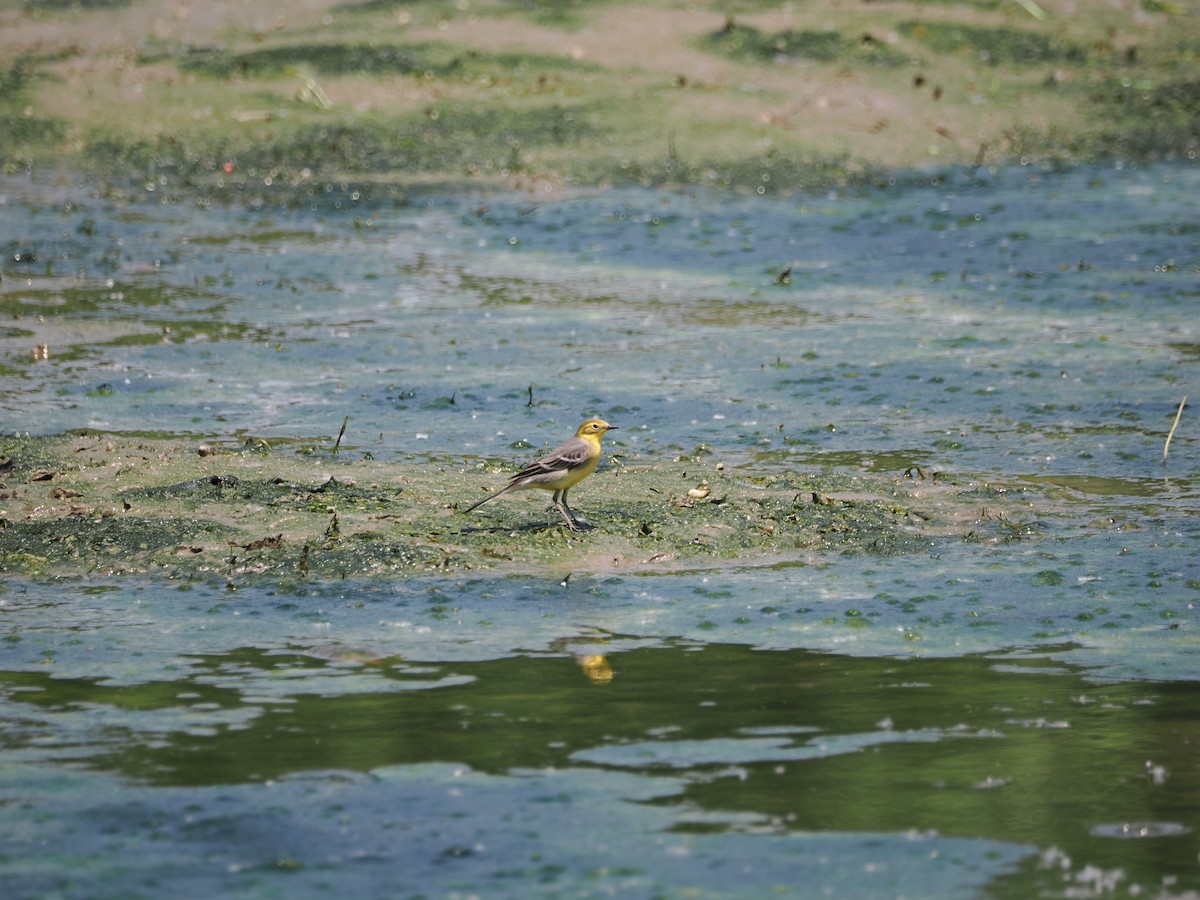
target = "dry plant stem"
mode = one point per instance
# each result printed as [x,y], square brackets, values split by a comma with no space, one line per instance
[1174,425]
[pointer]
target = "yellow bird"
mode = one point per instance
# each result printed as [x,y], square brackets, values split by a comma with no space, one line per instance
[560,469]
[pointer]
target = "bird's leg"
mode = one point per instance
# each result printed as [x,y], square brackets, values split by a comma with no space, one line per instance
[560,504]
[560,499]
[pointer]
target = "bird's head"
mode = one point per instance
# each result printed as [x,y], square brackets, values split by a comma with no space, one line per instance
[594,428]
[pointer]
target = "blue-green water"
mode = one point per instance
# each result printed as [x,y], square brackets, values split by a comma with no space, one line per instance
[1016,718]
[1022,323]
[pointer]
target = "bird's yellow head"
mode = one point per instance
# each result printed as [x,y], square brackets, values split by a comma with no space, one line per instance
[594,428]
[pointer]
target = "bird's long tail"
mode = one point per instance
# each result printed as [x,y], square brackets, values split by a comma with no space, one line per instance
[502,491]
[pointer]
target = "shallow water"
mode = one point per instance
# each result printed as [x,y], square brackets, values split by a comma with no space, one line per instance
[639,735]
[1018,323]
[1013,717]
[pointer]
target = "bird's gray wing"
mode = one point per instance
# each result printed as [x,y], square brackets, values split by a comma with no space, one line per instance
[566,456]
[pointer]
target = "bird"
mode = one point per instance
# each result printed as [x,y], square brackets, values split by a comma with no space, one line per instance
[560,469]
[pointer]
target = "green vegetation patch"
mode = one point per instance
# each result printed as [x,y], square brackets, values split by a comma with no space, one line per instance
[325,59]
[418,58]
[22,129]
[1151,118]
[747,43]
[550,13]
[86,5]
[16,75]
[998,45]
[457,137]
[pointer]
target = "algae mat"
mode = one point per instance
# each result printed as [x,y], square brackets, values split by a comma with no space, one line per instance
[95,503]
[759,96]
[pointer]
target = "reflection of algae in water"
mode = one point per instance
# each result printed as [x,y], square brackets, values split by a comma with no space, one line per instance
[981,746]
[788,743]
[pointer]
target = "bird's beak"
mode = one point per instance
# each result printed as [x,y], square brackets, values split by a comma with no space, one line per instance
[614,427]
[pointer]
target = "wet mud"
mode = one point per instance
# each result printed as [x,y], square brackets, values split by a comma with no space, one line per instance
[95,503]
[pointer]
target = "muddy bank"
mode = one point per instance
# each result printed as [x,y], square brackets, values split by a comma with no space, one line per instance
[547,95]
[88,503]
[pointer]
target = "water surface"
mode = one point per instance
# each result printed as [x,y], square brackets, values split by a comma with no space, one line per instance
[1010,717]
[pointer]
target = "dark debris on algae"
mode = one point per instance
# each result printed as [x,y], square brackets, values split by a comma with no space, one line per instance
[80,503]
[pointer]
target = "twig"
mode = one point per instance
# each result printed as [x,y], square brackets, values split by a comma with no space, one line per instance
[530,403]
[1174,425]
[338,442]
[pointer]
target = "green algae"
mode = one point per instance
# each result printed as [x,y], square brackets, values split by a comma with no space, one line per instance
[325,59]
[426,59]
[1151,116]
[995,45]
[96,541]
[749,43]
[95,296]
[458,139]
[350,95]
[87,502]
[83,4]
